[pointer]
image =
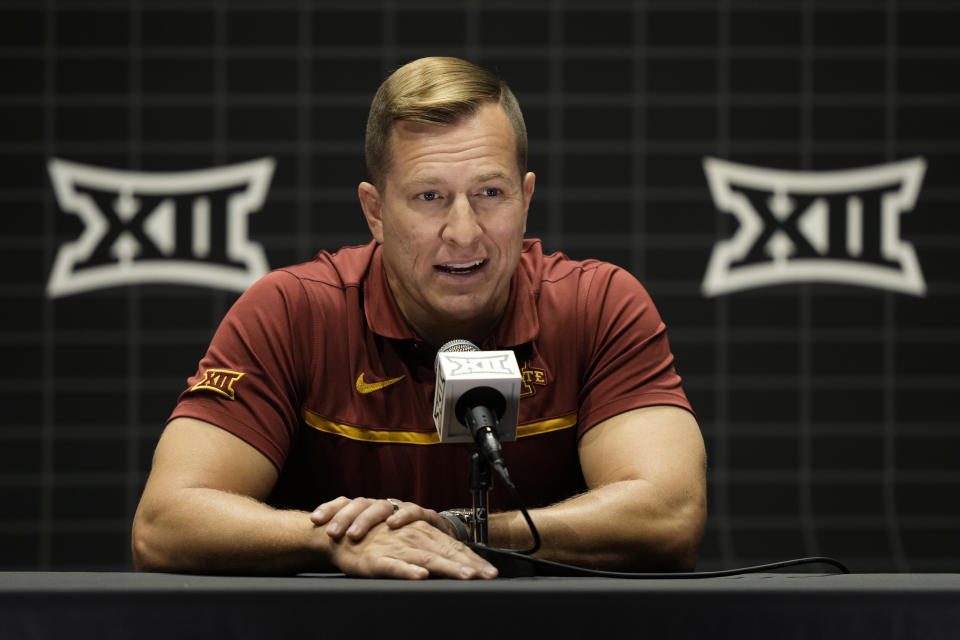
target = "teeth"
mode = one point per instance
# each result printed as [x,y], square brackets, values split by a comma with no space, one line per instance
[464,265]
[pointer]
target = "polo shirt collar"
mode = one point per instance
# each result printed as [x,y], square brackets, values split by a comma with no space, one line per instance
[379,305]
[520,322]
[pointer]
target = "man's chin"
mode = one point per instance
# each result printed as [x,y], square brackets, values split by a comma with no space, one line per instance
[461,315]
[465,312]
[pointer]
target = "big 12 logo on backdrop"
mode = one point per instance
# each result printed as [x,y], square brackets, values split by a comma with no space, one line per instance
[186,227]
[814,226]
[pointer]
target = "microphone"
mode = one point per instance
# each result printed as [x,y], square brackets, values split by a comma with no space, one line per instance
[477,396]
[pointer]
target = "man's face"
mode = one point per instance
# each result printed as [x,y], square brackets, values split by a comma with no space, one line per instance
[451,214]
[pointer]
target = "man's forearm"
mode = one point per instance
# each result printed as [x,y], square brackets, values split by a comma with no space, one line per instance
[623,526]
[208,530]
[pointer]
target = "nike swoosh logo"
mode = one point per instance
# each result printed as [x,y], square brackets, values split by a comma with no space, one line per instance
[370,387]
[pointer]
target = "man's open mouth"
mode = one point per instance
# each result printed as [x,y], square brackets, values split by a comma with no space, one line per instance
[461,268]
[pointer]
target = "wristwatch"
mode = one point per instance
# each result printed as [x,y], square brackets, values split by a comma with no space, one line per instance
[462,521]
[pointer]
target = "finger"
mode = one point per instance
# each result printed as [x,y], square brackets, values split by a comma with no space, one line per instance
[389,567]
[459,566]
[345,517]
[375,512]
[479,566]
[410,512]
[414,552]
[354,561]
[327,510]
[443,555]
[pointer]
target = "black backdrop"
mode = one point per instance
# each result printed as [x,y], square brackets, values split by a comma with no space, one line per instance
[826,407]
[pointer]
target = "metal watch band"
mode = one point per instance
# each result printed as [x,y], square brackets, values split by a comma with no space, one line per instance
[460,522]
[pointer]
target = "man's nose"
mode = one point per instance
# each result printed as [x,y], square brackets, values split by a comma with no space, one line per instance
[461,227]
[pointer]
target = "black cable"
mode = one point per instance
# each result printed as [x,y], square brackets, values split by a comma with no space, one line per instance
[558,568]
[513,565]
[760,568]
[515,494]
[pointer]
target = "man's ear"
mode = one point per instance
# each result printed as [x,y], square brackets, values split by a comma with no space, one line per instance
[372,210]
[529,182]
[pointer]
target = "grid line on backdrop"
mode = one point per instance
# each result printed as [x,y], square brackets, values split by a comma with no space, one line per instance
[718,454]
[890,333]
[44,530]
[805,471]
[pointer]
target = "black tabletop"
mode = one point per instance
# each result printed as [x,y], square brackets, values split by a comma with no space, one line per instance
[107,605]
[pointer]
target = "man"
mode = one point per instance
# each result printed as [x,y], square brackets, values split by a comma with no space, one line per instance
[316,389]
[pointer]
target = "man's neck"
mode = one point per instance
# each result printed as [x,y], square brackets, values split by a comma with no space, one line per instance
[437,336]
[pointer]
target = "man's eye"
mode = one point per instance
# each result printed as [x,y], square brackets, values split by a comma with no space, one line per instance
[491,191]
[429,196]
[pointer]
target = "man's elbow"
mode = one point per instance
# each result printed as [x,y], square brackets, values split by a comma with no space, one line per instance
[677,546]
[683,552]
[683,549]
[144,547]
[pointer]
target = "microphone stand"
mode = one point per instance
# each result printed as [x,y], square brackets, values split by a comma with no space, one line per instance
[480,490]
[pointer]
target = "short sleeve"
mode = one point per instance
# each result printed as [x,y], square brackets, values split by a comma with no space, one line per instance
[249,381]
[625,346]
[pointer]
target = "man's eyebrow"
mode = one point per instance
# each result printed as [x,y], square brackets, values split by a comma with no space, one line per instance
[425,179]
[419,180]
[496,175]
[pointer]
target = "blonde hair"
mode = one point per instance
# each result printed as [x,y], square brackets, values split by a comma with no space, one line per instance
[435,91]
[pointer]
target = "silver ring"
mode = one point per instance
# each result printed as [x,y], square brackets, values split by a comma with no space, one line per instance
[396,505]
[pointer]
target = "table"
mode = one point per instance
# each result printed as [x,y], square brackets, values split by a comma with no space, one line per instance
[132,605]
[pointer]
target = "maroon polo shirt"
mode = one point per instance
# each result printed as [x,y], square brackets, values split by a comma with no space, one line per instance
[316,368]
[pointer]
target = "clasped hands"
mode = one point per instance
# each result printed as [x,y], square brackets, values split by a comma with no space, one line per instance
[394,539]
